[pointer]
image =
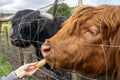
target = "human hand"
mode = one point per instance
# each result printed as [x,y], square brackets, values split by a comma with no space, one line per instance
[26,70]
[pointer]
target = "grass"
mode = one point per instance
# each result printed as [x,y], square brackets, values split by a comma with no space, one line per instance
[5,67]
[8,25]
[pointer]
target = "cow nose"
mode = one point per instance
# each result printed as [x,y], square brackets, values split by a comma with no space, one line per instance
[13,39]
[45,48]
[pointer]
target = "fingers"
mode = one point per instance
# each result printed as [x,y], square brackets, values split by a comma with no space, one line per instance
[27,66]
[31,72]
[27,69]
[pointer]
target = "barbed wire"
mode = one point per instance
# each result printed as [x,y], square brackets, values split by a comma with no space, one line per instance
[88,44]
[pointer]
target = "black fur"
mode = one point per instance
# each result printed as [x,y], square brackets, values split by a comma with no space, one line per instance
[29,28]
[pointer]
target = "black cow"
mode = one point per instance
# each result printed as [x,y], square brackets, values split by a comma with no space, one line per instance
[31,28]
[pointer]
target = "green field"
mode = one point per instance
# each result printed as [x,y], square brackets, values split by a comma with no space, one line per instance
[8,25]
[5,67]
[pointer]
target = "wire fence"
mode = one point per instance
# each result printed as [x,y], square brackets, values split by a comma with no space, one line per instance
[44,71]
[20,58]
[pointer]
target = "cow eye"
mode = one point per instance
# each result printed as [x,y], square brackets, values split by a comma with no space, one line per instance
[94,32]
[90,33]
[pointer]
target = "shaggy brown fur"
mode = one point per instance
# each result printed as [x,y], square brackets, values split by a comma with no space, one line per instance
[88,42]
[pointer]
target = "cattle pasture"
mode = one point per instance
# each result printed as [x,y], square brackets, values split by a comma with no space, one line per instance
[5,67]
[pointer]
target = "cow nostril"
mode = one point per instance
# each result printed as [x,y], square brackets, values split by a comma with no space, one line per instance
[45,48]
[14,39]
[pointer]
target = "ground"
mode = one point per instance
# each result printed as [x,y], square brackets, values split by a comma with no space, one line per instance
[13,56]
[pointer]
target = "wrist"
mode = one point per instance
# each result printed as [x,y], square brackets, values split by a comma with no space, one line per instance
[18,74]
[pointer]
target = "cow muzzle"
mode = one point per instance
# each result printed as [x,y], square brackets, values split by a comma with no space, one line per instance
[14,41]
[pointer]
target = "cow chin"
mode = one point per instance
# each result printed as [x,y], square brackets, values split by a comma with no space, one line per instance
[21,44]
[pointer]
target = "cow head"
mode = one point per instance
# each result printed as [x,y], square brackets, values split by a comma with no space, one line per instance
[21,27]
[29,26]
[88,42]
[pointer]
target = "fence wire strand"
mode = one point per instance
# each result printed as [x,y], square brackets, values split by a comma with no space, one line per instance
[88,44]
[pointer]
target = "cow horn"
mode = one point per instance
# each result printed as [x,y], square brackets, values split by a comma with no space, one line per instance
[47,15]
[9,18]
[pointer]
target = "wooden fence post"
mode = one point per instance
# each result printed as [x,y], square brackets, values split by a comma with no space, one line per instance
[80,3]
[1,15]
[6,38]
[55,10]
[21,56]
[25,57]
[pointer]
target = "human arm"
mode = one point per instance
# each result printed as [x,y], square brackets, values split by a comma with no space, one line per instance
[23,71]
[26,70]
[11,76]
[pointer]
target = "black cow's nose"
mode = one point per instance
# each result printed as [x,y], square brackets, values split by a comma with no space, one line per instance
[14,39]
